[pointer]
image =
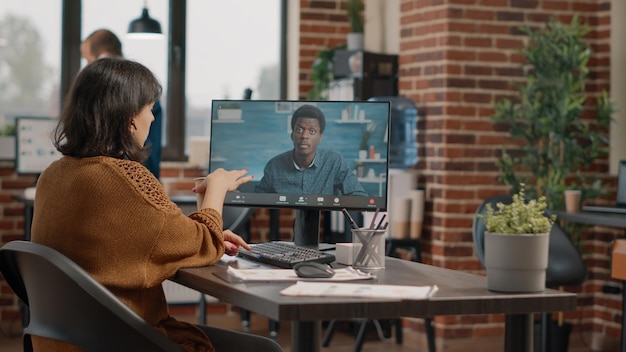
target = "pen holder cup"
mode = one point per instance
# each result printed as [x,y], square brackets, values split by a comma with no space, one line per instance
[369,249]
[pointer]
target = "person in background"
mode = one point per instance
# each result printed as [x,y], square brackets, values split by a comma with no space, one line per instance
[99,206]
[104,43]
[306,169]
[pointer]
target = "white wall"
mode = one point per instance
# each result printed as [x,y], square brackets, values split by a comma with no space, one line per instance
[382,26]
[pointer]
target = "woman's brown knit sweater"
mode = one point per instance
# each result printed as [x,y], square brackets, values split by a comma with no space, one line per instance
[113,218]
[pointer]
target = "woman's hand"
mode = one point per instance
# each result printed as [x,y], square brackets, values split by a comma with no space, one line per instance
[217,183]
[223,179]
[232,242]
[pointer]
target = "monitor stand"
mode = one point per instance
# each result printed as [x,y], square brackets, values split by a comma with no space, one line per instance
[306,230]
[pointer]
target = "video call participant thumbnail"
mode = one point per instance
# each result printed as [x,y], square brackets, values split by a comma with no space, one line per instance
[306,169]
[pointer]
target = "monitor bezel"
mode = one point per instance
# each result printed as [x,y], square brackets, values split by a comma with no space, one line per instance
[294,201]
[20,144]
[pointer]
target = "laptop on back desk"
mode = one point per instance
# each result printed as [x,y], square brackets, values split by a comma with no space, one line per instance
[620,204]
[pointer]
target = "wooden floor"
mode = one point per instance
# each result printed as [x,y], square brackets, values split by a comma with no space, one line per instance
[343,339]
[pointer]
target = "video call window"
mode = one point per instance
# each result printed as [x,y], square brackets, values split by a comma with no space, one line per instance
[249,133]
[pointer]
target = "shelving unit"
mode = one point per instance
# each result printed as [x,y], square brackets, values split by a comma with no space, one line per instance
[360,75]
[378,179]
[340,122]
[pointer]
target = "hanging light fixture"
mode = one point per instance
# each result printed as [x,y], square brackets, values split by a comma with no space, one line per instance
[144,25]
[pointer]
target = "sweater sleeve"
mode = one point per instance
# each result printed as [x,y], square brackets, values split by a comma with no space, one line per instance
[178,240]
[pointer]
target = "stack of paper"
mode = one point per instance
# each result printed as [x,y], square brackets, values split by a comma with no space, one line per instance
[327,289]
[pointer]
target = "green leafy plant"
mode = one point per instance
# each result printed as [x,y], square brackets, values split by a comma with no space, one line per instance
[367,133]
[556,143]
[519,217]
[8,129]
[322,67]
[355,17]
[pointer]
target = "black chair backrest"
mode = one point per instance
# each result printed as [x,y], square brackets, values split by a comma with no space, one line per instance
[478,226]
[565,265]
[236,219]
[65,303]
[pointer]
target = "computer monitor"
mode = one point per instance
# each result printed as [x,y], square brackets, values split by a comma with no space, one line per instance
[34,148]
[349,170]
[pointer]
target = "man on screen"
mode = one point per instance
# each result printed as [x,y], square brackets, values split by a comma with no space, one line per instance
[306,169]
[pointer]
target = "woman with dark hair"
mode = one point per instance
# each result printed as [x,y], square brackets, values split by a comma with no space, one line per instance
[100,112]
[102,208]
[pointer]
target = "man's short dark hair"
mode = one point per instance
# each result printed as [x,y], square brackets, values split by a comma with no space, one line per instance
[311,112]
[104,41]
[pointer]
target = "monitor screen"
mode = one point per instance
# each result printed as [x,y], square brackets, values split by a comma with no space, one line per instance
[305,155]
[338,163]
[34,148]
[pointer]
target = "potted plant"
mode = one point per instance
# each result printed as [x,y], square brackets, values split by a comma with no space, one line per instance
[516,244]
[322,74]
[353,10]
[555,143]
[365,137]
[7,141]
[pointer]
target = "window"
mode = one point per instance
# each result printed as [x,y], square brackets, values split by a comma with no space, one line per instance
[231,46]
[115,15]
[226,46]
[223,56]
[30,58]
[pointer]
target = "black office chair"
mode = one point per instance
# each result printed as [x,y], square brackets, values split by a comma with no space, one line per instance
[66,304]
[565,265]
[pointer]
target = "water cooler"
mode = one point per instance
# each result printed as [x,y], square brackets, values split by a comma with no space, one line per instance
[403,133]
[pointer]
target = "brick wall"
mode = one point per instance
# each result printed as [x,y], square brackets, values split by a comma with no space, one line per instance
[11,228]
[457,57]
[323,25]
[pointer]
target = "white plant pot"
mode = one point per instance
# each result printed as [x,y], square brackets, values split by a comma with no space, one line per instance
[355,41]
[7,147]
[363,154]
[516,263]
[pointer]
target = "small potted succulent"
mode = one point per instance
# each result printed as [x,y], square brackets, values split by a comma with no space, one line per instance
[365,137]
[516,244]
[357,24]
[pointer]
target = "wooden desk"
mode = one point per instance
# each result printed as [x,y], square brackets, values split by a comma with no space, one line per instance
[459,294]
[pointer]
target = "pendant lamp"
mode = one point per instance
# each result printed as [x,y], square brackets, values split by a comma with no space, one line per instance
[144,24]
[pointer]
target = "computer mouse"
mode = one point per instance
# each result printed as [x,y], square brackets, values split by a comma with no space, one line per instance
[313,270]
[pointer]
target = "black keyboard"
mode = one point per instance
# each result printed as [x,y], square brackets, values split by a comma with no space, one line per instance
[284,255]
